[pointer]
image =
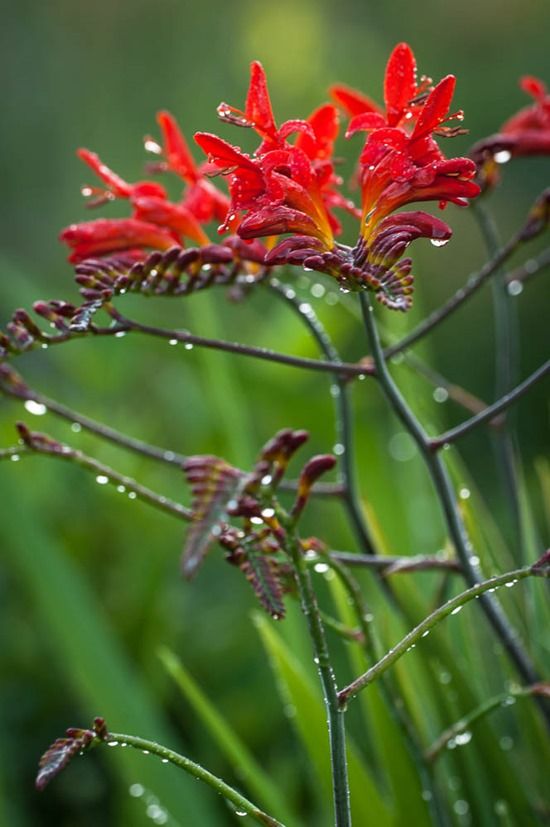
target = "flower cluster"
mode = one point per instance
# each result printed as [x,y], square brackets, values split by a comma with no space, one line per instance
[525,133]
[289,185]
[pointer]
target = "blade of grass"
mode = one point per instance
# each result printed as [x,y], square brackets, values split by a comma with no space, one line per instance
[250,773]
[90,659]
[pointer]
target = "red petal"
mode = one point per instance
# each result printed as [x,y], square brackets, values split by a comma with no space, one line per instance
[221,153]
[277,220]
[175,217]
[258,105]
[105,235]
[365,121]
[400,81]
[118,186]
[533,86]
[176,150]
[352,101]
[436,108]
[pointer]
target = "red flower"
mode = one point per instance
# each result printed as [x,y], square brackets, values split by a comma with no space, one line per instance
[157,222]
[525,133]
[283,187]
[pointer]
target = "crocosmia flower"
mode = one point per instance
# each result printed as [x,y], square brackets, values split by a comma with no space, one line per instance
[525,133]
[288,192]
[156,223]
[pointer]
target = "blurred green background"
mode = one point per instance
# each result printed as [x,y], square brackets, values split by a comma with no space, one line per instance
[89,580]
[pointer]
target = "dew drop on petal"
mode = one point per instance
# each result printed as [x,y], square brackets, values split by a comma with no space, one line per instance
[101,479]
[172,341]
[439,242]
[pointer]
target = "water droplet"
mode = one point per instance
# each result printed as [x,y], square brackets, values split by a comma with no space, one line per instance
[305,308]
[464,493]
[515,287]
[152,146]
[441,394]
[86,191]
[402,447]
[335,390]
[120,334]
[318,291]
[426,633]
[427,795]
[461,807]
[445,677]
[267,480]
[344,290]
[101,479]
[121,489]
[362,377]
[501,807]
[439,242]
[15,458]
[502,157]
[112,743]
[339,449]
[136,790]
[146,752]
[268,512]
[76,427]
[320,568]
[510,584]
[457,610]
[256,521]
[240,813]
[291,294]
[474,560]
[506,743]
[35,408]
[331,299]
[463,738]
[44,346]
[188,346]
[316,661]
[169,456]
[509,701]
[164,761]
[132,495]
[409,115]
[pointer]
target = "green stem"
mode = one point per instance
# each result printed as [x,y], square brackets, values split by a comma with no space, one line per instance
[242,804]
[344,429]
[446,495]
[105,475]
[335,713]
[452,606]
[461,727]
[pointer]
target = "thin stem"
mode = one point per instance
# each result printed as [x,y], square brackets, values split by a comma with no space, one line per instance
[98,428]
[446,495]
[526,271]
[452,606]
[344,427]
[243,805]
[105,475]
[335,714]
[396,564]
[461,727]
[124,325]
[491,411]
[474,282]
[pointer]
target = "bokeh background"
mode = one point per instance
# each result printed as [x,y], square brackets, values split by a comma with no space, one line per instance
[89,583]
